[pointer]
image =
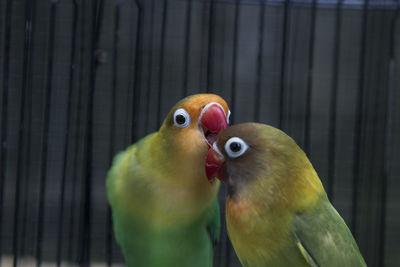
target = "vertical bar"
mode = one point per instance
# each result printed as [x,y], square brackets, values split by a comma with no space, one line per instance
[45,135]
[26,85]
[25,182]
[81,74]
[161,65]
[67,133]
[186,48]
[358,119]
[218,247]
[109,236]
[257,96]
[233,93]
[387,159]
[283,63]
[307,127]
[333,105]
[138,71]
[204,18]
[129,104]
[210,47]
[86,193]
[4,112]
[234,56]
[74,176]
[150,66]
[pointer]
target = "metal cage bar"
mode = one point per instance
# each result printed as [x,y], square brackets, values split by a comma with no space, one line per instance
[66,150]
[45,131]
[26,88]
[4,111]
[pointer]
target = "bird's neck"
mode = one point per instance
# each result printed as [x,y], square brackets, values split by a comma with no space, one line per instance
[180,178]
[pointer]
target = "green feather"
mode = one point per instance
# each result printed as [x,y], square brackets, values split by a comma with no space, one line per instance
[214,227]
[324,238]
[146,237]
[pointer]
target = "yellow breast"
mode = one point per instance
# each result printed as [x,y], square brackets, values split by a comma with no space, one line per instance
[255,235]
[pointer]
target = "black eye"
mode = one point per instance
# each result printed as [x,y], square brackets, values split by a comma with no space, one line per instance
[181,118]
[235,146]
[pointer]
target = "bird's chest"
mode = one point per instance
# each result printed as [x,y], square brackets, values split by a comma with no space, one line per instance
[182,201]
[166,203]
[257,235]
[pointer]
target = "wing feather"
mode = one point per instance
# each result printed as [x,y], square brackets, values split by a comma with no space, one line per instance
[324,239]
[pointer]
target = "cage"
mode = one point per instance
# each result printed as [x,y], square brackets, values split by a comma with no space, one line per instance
[81,80]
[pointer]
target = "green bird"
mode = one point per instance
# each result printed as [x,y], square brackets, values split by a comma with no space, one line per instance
[277,211]
[164,211]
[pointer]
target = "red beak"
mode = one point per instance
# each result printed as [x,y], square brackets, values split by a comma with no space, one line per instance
[213,118]
[214,166]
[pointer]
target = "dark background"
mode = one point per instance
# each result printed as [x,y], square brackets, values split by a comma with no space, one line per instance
[80,80]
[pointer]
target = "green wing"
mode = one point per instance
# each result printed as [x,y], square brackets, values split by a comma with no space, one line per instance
[112,175]
[324,239]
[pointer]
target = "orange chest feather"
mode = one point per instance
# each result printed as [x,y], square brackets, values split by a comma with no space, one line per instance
[240,214]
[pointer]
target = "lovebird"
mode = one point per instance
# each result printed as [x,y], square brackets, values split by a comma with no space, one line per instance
[277,211]
[164,211]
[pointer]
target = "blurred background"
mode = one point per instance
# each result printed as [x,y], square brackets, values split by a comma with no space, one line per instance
[80,80]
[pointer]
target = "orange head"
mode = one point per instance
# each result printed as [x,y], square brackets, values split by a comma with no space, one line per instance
[192,125]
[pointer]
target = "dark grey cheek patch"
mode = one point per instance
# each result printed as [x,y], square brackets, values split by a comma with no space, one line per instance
[236,179]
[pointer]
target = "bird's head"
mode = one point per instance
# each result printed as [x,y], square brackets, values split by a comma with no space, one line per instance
[257,154]
[192,126]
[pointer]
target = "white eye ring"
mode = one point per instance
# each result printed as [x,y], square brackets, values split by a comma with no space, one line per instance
[241,145]
[228,117]
[181,118]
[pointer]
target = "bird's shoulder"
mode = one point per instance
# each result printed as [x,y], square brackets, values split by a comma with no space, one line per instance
[128,170]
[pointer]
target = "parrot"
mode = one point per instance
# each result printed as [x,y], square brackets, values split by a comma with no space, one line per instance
[277,211]
[164,211]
